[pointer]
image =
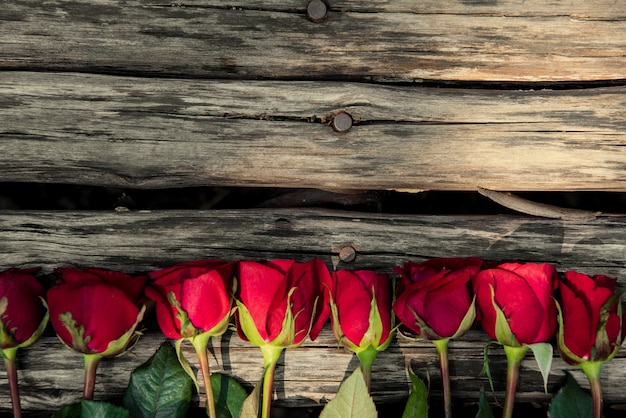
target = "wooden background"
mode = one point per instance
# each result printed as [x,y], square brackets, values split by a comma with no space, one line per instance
[452,96]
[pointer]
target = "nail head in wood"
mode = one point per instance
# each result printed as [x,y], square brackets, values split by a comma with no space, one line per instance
[342,122]
[317,11]
[347,254]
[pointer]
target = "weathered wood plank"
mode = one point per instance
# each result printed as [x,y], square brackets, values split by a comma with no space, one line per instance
[142,241]
[51,375]
[151,133]
[406,41]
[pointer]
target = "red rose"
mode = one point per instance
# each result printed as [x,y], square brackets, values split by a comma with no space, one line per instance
[434,297]
[361,305]
[23,316]
[93,310]
[199,291]
[592,329]
[280,302]
[524,293]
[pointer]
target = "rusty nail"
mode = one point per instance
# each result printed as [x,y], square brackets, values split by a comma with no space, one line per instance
[342,122]
[347,253]
[317,11]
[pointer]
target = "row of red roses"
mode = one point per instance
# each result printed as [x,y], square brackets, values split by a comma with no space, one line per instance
[279,303]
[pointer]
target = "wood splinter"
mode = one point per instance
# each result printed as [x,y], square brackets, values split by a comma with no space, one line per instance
[529,207]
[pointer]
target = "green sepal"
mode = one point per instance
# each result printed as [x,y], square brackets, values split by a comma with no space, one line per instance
[6,336]
[248,327]
[77,332]
[185,364]
[371,338]
[424,328]
[603,350]
[468,320]
[543,353]
[127,340]
[41,329]
[567,355]
[286,336]
[188,329]
[504,335]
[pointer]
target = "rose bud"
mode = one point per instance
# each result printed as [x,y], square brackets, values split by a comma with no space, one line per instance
[524,293]
[361,314]
[282,301]
[23,318]
[93,312]
[516,307]
[194,302]
[279,303]
[193,298]
[23,315]
[591,326]
[434,300]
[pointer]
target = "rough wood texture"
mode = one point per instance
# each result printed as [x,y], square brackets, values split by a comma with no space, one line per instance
[243,94]
[150,133]
[142,241]
[51,374]
[403,41]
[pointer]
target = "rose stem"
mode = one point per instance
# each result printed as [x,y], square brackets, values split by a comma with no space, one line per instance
[514,356]
[592,371]
[11,365]
[366,358]
[91,365]
[203,359]
[271,354]
[442,350]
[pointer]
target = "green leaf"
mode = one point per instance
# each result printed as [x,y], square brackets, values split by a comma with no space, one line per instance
[70,411]
[229,396]
[92,409]
[250,407]
[484,409]
[571,401]
[352,400]
[417,404]
[159,387]
[543,353]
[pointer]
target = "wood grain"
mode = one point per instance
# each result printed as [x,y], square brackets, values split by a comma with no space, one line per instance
[152,133]
[403,41]
[143,240]
[51,375]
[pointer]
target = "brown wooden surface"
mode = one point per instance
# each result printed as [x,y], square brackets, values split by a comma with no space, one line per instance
[531,41]
[51,374]
[144,240]
[140,241]
[138,94]
[151,133]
